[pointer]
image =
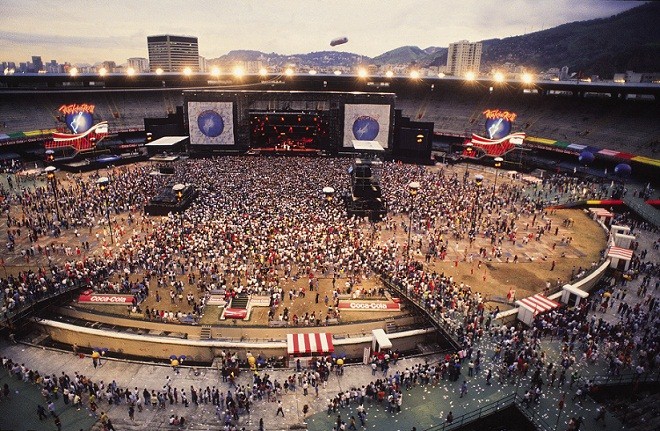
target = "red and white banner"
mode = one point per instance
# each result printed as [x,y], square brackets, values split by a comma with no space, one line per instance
[235,313]
[103,298]
[351,305]
[309,343]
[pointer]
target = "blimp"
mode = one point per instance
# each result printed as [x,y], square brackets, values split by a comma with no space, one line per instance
[338,41]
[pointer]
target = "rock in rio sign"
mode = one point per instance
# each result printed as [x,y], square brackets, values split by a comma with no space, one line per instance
[78,117]
[498,123]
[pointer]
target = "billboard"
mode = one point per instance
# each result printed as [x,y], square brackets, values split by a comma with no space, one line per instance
[366,122]
[211,123]
[498,123]
[79,118]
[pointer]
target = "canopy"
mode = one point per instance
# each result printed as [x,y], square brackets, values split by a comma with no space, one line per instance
[620,253]
[538,303]
[381,338]
[368,145]
[309,343]
[167,141]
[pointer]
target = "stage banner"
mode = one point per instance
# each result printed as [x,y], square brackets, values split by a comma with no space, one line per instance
[235,313]
[365,122]
[211,123]
[359,305]
[107,299]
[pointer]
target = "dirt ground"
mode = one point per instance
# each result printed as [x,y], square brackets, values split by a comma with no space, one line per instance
[493,278]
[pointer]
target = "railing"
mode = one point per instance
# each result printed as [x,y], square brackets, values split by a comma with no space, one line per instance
[445,331]
[24,310]
[626,379]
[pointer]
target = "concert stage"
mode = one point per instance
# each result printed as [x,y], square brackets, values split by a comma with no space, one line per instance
[271,151]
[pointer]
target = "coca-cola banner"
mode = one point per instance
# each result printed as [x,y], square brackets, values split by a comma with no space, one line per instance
[102,298]
[357,305]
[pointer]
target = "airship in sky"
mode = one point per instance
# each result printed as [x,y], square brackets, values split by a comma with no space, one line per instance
[338,41]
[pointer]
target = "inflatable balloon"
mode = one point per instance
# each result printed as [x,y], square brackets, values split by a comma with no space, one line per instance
[586,157]
[623,170]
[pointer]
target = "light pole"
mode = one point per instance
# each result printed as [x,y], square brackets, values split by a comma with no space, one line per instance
[178,191]
[50,175]
[102,184]
[468,150]
[498,163]
[478,180]
[413,188]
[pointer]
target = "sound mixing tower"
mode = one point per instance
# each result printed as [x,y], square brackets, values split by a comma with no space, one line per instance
[366,199]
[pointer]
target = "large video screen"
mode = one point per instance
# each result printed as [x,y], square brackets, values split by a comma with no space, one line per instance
[365,122]
[211,123]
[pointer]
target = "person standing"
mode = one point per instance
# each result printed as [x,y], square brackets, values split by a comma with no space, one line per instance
[450,417]
[463,388]
[279,409]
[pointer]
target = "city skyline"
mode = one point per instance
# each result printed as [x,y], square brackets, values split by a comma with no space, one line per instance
[119,31]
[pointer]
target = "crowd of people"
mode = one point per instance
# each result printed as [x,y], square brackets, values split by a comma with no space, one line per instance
[261,223]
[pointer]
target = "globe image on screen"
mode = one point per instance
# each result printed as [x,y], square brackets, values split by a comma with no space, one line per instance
[497,128]
[210,123]
[365,128]
[79,122]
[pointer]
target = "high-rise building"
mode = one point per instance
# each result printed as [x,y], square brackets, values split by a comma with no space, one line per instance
[37,63]
[463,57]
[173,53]
[139,64]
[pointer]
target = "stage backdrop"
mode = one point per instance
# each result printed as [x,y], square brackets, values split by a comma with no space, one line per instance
[211,123]
[365,122]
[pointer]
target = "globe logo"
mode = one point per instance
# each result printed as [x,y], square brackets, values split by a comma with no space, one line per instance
[210,123]
[498,128]
[79,122]
[365,128]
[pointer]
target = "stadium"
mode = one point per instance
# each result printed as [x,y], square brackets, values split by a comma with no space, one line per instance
[342,220]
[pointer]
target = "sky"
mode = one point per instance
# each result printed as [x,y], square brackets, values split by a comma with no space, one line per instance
[90,31]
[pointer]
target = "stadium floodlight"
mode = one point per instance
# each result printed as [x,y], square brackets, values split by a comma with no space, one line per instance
[414,74]
[441,75]
[527,78]
[498,77]
[337,72]
[215,71]
[130,71]
[239,71]
[263,71]
[470,76]
[362,72]
[288,71]
[73,71]
[159,71]
[389,74]
[103,71]
[312,72]
[187,71]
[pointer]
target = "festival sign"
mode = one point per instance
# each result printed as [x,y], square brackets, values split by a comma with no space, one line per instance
[103,298]
[78,117]
[498,123]
[358,305]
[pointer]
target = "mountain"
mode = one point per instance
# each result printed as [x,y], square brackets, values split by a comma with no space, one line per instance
[401,55]
[627,41]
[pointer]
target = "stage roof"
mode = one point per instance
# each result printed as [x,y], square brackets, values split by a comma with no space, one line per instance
[167,141]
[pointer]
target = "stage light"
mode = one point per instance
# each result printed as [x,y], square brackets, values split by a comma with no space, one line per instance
[73,71]
[187,71]
[130,71]
[159,71]
[527,78]
[389,74]
[441,75]
[238,71]
[498,77]
[288,71]
[312,72]
[263,71]
[337,72]
[215,71]
[414,74]
[470,76]
[362,72]
[103,71]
